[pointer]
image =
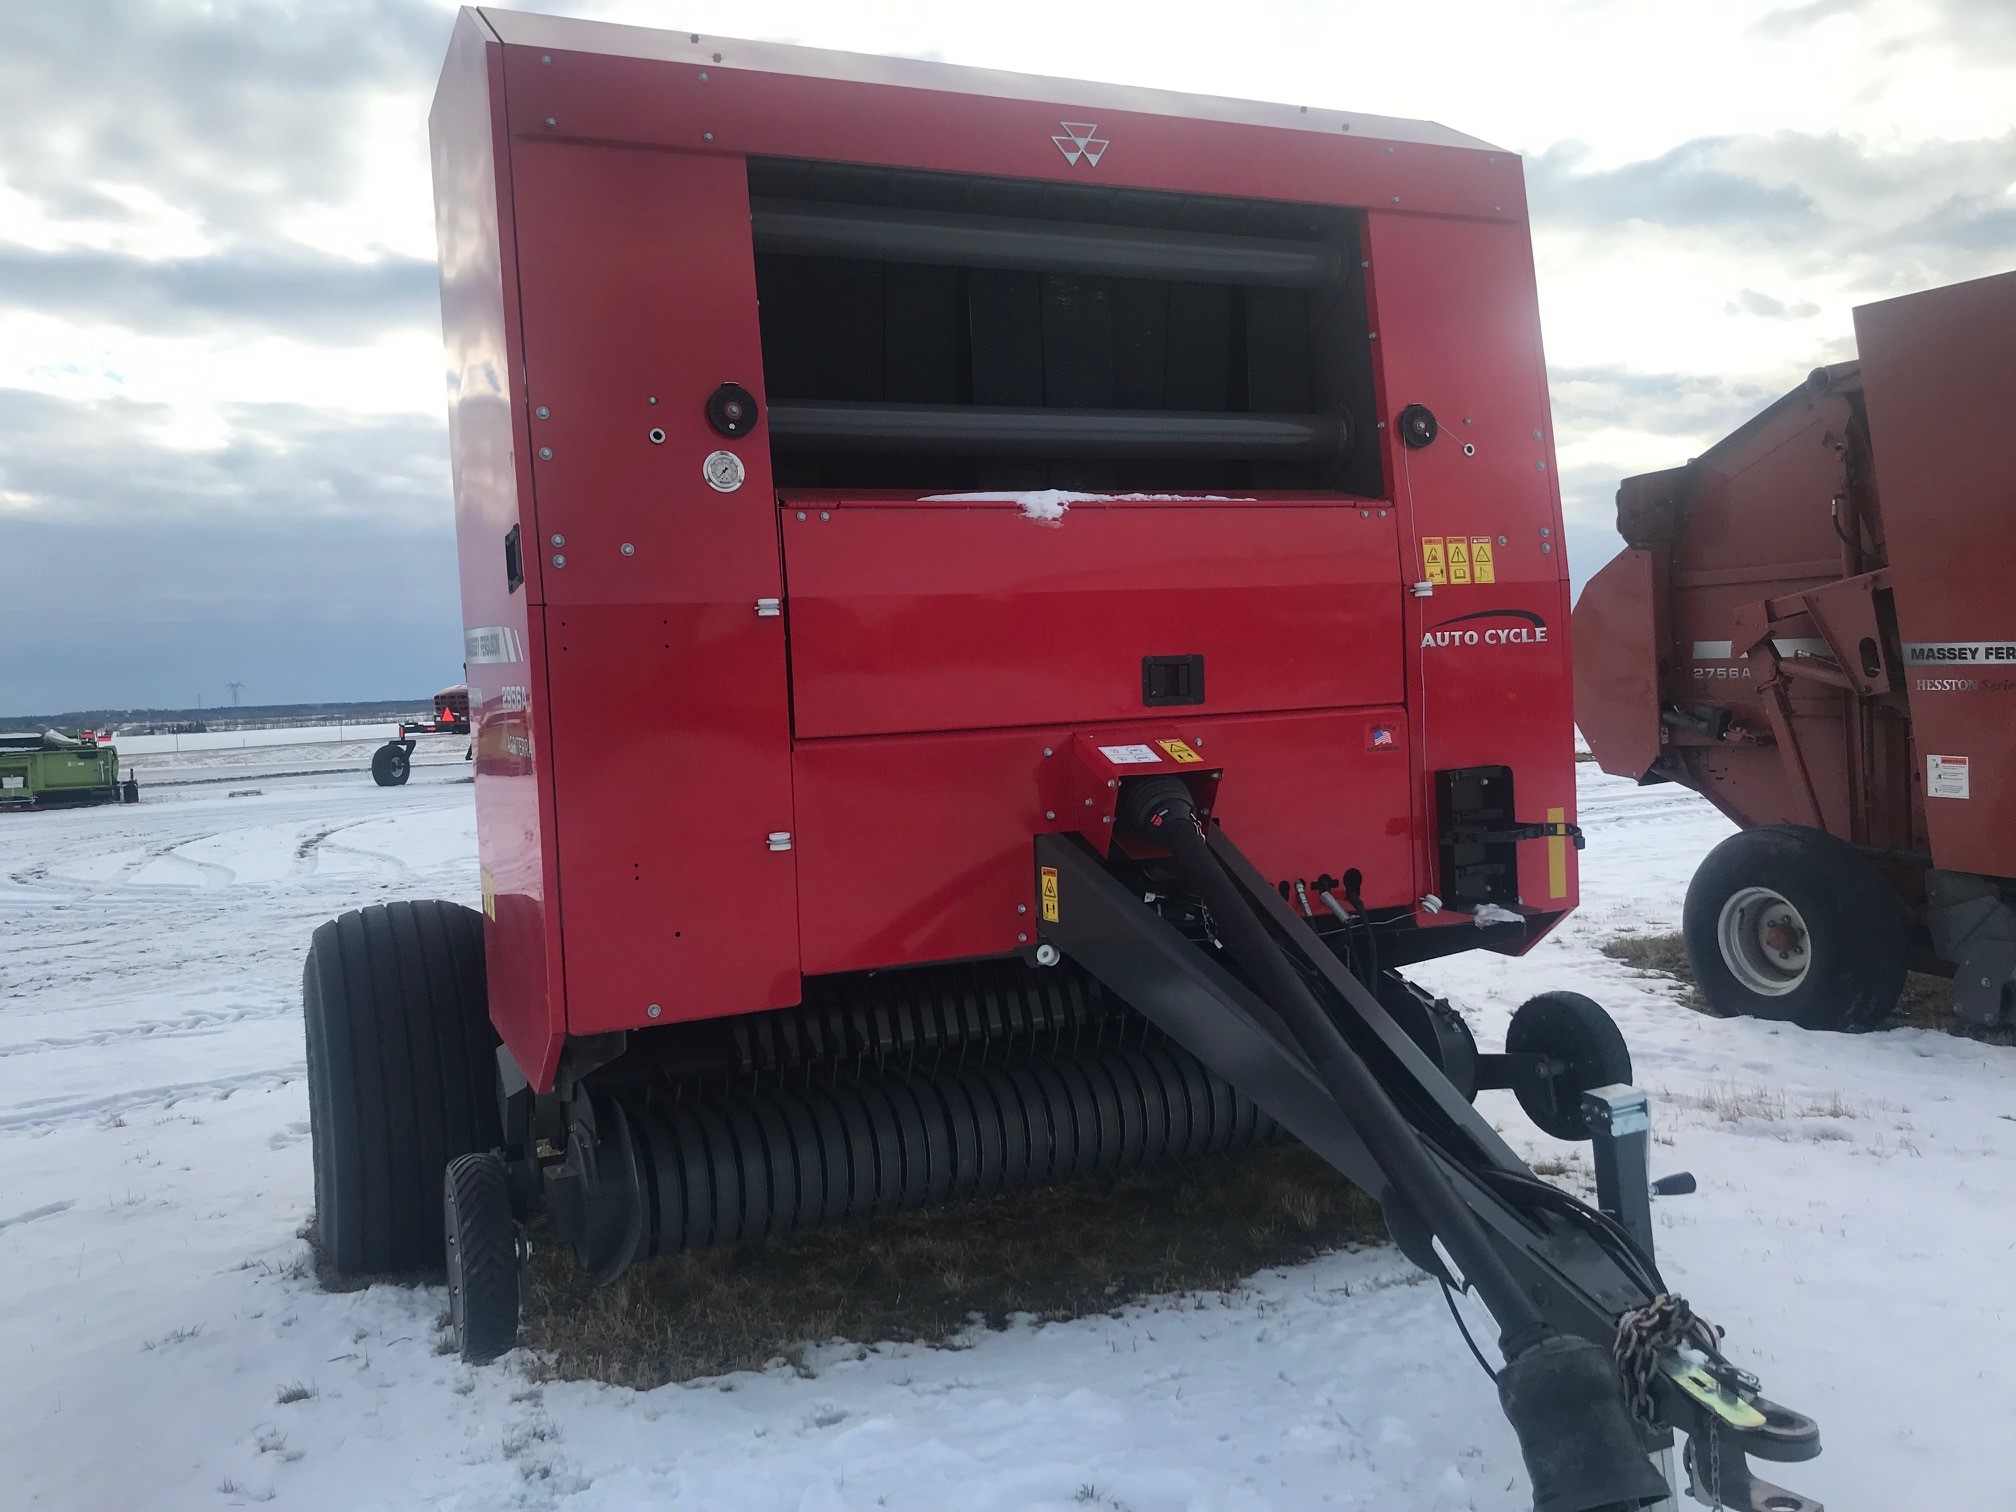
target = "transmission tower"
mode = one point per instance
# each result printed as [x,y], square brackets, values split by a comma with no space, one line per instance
[234,687]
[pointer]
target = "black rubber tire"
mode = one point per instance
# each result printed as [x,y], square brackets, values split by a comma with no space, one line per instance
[390,765]
[1857,933]
[402,1077]
[484,1264]
[1572,1028]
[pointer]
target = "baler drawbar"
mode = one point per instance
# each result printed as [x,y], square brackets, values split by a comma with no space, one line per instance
[986,498]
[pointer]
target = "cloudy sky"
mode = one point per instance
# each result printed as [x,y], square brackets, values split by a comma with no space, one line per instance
[222,451]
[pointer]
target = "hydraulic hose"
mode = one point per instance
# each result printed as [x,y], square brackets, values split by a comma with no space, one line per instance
[1163,809]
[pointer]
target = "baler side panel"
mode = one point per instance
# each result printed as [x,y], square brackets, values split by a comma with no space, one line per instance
[971,617]
[671,735]
[514,794]
[916,847]
[1487,661]
[1940,393]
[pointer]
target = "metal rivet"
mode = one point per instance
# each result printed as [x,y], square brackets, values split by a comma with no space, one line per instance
[707,136]
[559,540]
[1382,425]
[1382,514]
[1364,514]
[1396,200]
[1389,151]
[1108,819]
[825,514]
[1546,545]
[1198,741]
[1046,751]
[628,549]
[559,561]
[801,514]
[654,1010]
[1022,938]
[652,400]
[703,78]
[551,122]
[1049,813]
[1546,530]
[1539,467]
[1500,209]
[1466,419]
[1364,262]
[1536,435]
[1372,336]
[1112,782]
[657,436]
[1088,803]
[1021,908]
[545,454]
[546,57]
[1504,541]
[542,412]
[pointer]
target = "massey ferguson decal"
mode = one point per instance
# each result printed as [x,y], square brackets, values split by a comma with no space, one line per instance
[1488,627]
[1078,142]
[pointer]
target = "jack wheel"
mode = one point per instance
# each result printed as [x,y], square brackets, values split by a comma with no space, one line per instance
[485,1262]
[1585,1043]
[390,765]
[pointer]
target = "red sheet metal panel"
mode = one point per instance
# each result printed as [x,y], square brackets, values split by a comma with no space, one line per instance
[916,847]
[973,616]
[1488,670]
[1940,390]
[514,795]
[670,743]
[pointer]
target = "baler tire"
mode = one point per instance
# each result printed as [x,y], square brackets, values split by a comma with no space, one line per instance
[1571,1028]
[485,1267]
[390,765]
[402,1078]
[1856,935]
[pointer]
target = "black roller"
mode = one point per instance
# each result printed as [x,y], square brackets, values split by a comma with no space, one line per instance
[811,228]
[999,430]
[719,1167]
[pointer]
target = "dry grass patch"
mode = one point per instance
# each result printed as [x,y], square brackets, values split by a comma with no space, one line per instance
[1662,955]
[924,1277]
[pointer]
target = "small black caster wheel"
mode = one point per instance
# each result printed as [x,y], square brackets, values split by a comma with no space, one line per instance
[1585,1048]
[485,1258]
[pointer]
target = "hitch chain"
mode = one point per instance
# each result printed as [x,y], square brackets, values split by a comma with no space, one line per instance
[1660,1327]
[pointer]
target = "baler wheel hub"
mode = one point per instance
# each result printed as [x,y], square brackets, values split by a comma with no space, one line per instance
[1764,941]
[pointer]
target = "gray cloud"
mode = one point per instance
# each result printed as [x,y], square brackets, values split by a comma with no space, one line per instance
[301,295]
[310,556]
[227,110]
[1980,30]
[1690,186]
[1755,302]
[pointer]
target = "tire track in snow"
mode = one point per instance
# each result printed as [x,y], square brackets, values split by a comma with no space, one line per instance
[52,1112]
[196,1021]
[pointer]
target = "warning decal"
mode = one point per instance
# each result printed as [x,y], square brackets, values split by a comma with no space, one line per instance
[1432,563]
[489,897]
[1459,560]
[1129,755]
[1178,751]
[1049,895]
[1483,566]
[1946,777]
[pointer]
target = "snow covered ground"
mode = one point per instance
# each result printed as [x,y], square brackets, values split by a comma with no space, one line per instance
[161,1347]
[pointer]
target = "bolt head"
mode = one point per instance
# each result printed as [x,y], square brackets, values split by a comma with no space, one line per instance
[1023,938]
[1088,803]
[1049,813]
[707,136]
[801,514]
[545,454]
[653,1011]
[559,540]
[1047,751]
[551,122]
[825,514]
[1022,908]
[542,412]
[559,561]
[628,549]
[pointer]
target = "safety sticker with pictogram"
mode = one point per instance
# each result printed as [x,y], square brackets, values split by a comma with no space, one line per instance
[1459,560]
[1432,563]
[1049,895]
[1178,751]
[1483,566]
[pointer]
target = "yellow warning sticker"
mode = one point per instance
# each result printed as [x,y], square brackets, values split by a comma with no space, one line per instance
[1178,751]
[1483,567]
[489,897]
[1557,855]
[1433,566]
[1459,560]
[1049,895]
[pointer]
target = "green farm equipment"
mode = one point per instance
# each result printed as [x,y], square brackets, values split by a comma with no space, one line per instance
[42,769]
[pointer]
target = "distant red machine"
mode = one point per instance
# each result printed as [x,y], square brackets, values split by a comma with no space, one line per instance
[1078,576]
[1813,629]
[392,763]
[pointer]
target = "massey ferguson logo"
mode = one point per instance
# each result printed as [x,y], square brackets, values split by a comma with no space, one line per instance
[1078,142]
[1525,628]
